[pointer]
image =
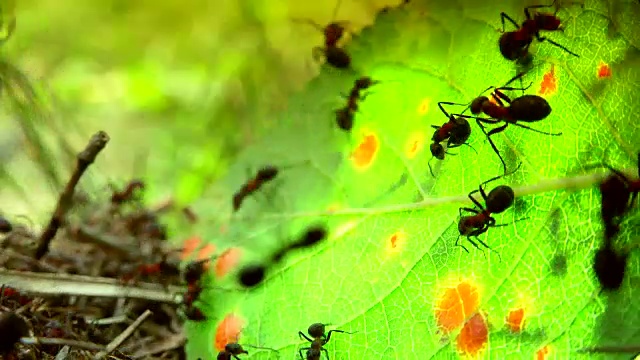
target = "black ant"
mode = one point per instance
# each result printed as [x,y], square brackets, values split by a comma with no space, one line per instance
[344,116]
[128,193]
[12,328]
[456,131]
[232,350]
[317,332]
[497,201]
[514,45]
[526,108]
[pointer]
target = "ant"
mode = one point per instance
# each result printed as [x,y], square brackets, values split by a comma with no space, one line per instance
[514,45]
[163,269]
[311,237]
[618,193]
[317,332]
[497,201]
[344,116]
[232,350]
[127,194]
[526,108]
[264,175]
[456,131]
[333,32]
[5,225]
[253,274]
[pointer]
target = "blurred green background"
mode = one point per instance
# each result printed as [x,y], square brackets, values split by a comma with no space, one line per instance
[181,87]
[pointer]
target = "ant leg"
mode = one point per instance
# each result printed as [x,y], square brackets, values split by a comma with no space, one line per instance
[526,9]
[447,103]
[458,244]
[474,149]
[300,352]
[538,131]
[430,168]
[495,149]
[302,335]
[336,331]
[504,16]
[236,357]
[326,353]
[473,211]
[542,38]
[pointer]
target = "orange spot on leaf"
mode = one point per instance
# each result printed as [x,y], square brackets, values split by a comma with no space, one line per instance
[206,252]
[189,246]
[423,108]
[396,242]
[515,320]
[228,331]
[473,336]
[455,305]
[366,151]
[604,70]
[549,84]
[414,145]
[542,353]
[227,261]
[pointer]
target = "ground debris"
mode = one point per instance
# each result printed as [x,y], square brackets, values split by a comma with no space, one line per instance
[113,242]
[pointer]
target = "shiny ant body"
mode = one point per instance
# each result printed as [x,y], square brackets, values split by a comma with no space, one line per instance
[526,108]
[456,131]
[610,266]
[345,115]
[497,201]
[514,45]
[232,350]
[318,340]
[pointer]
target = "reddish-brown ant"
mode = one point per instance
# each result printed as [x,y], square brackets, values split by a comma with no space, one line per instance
[345,115]
[456,131]
[514,45]
[333,32]
[497,201]
[263,176]
[526,108]
[318,341]
[232,350]
[129,193]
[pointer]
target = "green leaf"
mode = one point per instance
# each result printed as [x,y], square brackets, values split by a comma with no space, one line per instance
[390,270]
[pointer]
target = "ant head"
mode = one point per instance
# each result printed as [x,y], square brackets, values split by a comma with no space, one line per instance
[477,104]
[363,82]
[252,275]
[235,349]
[437,151]
[316,330]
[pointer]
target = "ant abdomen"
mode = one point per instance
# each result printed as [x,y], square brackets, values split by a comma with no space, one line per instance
[500,199]
[530,108]
[337,57]
[512,48]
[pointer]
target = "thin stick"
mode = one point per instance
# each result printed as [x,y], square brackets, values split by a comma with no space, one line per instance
[85,158]
[612,349]
[573,183]
[57,341]
[79,285]
[124,336]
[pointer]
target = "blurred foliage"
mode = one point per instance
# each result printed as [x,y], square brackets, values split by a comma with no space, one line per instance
[180,88]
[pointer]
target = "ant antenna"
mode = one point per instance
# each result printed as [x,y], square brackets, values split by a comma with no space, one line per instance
[260,348]
[335,10]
